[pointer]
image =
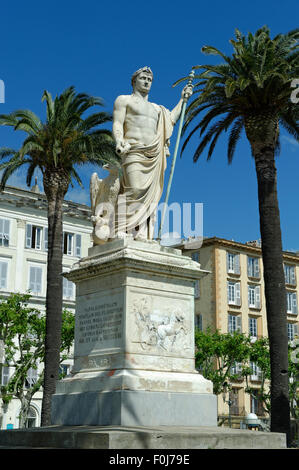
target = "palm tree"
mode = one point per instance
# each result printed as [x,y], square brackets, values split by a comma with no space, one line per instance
[57,147]
[251,90]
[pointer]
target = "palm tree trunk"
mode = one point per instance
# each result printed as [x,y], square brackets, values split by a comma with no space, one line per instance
[274,279]
[55,191]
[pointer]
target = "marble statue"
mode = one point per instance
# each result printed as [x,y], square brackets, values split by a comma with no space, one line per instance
[141,130]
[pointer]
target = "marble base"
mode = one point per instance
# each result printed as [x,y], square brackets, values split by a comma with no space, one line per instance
[135,408]
[134,341]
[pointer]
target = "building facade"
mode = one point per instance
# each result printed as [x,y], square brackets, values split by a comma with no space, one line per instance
[23,264]
[231,298]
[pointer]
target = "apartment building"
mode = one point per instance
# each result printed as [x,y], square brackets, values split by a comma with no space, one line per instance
[231,298]
[23,264]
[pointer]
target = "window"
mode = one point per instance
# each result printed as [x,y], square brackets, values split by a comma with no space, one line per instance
[36,237]
[236,368]
[254,296]
[35,279]
[198,321]
[68,289]
[253,267]
[252,327]
[289,274]
[3,274]
[292,303]
[233,293]
[234,323]
[256,373]
[256,405]
[4,232]
[292,331]
[233,263]
[31,421]
[71,244]
[195,256]
[31,378]
[64,369]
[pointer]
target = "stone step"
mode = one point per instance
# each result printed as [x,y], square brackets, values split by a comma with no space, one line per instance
[138,437]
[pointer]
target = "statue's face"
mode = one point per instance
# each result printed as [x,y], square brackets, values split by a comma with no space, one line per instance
[143,82]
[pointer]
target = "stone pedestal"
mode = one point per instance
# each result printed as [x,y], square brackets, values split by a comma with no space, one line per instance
[134,341]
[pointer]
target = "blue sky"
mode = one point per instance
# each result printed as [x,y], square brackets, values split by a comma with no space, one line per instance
[96,46]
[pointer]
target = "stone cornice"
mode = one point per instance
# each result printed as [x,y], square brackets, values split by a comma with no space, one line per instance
[25,198]
[243,247]
[145,257]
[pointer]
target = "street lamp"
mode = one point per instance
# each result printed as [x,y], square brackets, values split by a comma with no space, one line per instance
[229,402]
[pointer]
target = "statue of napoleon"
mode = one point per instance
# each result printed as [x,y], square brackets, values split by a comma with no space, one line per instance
[141,130]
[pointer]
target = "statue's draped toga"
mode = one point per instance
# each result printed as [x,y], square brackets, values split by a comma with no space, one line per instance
[135,208]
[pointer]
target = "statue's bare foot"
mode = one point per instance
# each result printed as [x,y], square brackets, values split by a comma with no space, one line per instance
[121,235]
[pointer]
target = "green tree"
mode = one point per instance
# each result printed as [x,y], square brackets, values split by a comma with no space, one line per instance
[22,333]
[57,147]
[251,90]
[259,356]
[217,355]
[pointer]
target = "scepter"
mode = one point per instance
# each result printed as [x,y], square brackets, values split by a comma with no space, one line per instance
[185,99]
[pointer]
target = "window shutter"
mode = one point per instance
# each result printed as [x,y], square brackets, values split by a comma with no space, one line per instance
[3,274]
[68,288]
[228,292]
[295,330]
[258,297]
[293,275]
[238,293]
[248,266]
[6,229]
[35,279]
[227,262]
[239,323]
[237,264]
[32,278]
[294,303]
[230,324]
[28,235]
[78,245]
[46,239]
[256,268]
[38,238]
[5,375]
[38,279]
[196,290]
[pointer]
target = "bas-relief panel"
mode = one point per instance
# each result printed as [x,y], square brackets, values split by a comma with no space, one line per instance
[161,324]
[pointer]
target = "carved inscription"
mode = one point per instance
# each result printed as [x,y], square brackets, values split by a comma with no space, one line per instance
[100,322]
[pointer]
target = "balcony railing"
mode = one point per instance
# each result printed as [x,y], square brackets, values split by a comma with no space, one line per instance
[236,410]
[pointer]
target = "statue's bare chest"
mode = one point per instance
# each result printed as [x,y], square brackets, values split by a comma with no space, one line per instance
[138,107]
